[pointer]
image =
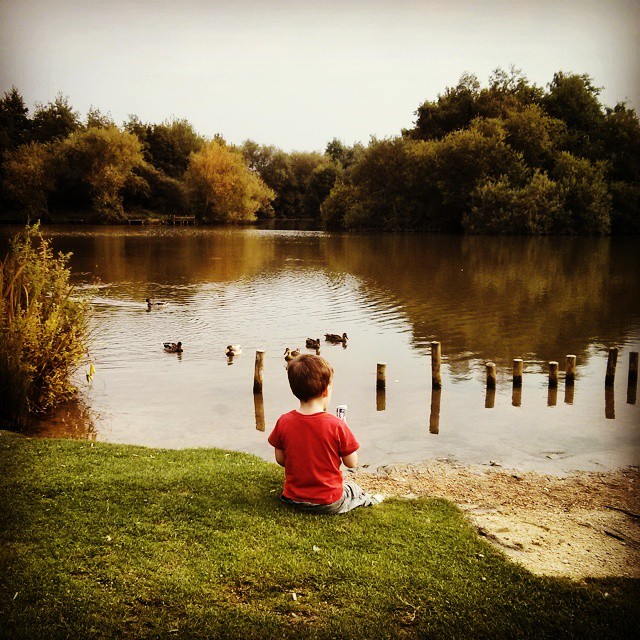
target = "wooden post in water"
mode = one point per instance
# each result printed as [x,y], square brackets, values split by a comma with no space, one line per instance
[490,398]
[632,382]
[491,375]
[633,369]
[381,375]
[381,399]
[570,372]
[434,416]
[609,403]
[612,360]
[436,356]
[518,366]
[258,372]
[553,374]
[258,407]
[516,396]
[568,393]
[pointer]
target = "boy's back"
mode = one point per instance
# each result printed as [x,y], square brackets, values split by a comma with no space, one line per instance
[314,446]
[311,444]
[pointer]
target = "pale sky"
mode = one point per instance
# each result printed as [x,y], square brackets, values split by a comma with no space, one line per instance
[297,73]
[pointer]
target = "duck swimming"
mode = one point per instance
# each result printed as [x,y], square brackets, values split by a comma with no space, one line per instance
[173,347]
[289,355]
[313,344]
[153,303]
[335,338]
[233,350]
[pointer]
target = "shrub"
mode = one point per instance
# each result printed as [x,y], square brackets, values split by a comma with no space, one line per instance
[625,216]
[148,187]
[587,199]
[499,207]
[43,329]
[337,205]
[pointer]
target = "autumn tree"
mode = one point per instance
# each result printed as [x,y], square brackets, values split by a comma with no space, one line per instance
[222,187]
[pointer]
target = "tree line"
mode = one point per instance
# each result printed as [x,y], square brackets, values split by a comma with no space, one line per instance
[509,157]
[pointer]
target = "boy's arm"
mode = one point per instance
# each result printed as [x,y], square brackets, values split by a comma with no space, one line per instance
[280,457]
[351,460]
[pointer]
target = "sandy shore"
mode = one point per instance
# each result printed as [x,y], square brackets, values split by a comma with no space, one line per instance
[581,525]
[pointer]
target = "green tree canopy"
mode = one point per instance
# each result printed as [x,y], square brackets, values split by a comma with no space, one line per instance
[98,120]
[319,186]
[288,174]
[99,161]
[458,106]
[14,122]
[342,154]
[55,120]
[170,144]
[29,177]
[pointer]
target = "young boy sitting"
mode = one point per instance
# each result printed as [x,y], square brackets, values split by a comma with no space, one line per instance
[310,444]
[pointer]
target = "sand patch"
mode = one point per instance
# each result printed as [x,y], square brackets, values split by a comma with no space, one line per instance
[577,526]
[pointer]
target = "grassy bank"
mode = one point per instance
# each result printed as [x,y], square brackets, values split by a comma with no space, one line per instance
[109,541]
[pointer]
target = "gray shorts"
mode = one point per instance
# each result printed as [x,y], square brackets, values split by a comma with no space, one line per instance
[352,497]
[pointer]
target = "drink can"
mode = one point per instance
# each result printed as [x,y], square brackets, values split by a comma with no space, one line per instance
[341,411]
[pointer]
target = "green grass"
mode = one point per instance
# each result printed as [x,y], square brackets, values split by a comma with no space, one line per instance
[110,541]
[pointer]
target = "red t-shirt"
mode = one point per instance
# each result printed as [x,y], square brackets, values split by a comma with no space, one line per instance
[313,446]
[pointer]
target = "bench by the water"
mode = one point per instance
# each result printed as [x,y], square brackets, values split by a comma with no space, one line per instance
[174,220]
[182,220]
[142,221]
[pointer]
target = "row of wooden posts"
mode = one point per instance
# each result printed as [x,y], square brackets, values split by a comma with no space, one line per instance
[491,380]
[518,365]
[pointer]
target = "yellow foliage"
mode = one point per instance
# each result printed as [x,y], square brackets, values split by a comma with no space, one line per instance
[222,187]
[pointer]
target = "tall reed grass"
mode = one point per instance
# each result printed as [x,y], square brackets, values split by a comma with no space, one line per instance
[42,329]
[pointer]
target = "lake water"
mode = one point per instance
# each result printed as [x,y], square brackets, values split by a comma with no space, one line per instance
[483,298]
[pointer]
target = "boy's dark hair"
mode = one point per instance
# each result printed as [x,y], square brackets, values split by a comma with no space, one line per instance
[309,376]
